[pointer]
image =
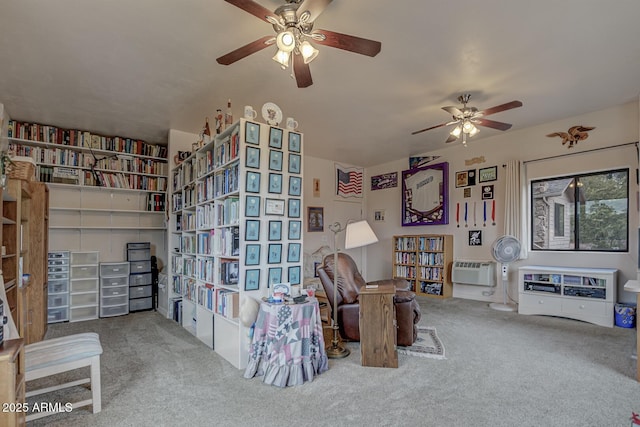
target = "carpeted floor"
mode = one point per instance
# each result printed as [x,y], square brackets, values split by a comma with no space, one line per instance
[501,369]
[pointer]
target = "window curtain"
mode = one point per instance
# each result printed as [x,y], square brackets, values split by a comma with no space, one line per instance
[515,223]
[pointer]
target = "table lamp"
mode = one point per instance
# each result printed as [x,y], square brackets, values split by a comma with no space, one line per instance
[359,234]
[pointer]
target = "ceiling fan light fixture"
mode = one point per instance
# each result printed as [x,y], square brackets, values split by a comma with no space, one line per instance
[286,41]
[467,126]
[308,52]
[456,131]
[282,58]
[474,131]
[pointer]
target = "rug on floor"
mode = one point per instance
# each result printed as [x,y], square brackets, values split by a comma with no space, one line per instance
[428,344]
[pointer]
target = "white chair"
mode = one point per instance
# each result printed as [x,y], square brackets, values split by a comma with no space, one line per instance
[57,355]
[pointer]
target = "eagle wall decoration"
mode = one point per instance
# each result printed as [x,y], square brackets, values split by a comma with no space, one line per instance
[573,135]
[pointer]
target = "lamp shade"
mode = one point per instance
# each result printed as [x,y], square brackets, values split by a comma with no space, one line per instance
[359,234]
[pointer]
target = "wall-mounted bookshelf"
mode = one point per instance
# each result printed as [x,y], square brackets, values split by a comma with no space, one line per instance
[105,191]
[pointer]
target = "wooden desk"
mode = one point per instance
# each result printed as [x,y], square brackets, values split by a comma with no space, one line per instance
[378,327]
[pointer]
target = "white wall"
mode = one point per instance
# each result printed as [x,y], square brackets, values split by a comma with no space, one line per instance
[614,126]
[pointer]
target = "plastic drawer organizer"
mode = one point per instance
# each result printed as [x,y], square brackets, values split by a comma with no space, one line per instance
[58,300]
[83,286]
[140,279]
[114,289]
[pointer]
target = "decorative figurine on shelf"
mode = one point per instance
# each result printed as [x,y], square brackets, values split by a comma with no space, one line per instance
[219,121]
[228,117]
[205,134]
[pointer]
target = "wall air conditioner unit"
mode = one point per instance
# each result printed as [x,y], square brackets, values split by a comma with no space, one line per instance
[479,273]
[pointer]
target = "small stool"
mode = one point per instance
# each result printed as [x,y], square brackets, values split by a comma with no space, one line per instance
[57,355]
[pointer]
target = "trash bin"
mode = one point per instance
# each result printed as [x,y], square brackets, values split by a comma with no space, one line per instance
[625,315]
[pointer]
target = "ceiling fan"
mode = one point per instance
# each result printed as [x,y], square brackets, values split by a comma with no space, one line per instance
[293,23]
[466,119]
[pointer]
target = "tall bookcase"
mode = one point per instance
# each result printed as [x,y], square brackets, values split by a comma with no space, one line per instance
[104,191]
[425,261]
[236,229]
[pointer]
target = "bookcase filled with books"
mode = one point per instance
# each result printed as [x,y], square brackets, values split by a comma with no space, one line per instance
[104,191]
[236,229]
[425,261]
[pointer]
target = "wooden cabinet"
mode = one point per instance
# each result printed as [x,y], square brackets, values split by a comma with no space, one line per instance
[425,261]
[37,235]
[378,326]
[586,294]
[12,383]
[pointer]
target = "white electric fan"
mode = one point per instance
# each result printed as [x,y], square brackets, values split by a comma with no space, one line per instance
[505,250]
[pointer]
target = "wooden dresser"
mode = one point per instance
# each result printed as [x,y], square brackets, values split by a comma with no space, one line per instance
[12,383]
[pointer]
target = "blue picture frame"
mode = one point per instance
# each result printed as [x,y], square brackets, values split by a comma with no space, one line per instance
[295,186]
[275,230]
[293,210]
[252,157]
[275,138]
[252,206]
[275,276]
[294,163]
[295,142]
[275,160]
[252,255]
[294,275]
[293,252]
[253,182]
[252,280]
[275,183]
[295,229]
[252,230]
[252,133]
[275,253]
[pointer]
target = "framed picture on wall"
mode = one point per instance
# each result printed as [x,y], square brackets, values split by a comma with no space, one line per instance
[275,183]
[252,255]
[275,253]
[252,131]
[275,138]
[252,280]
[252,206]
[294,163]
[252,230]
[294,275]
[488,174]
[315,219]
[253,182]
[295,185]
[294,142]
[253,157]
[275,275]
[294,208]
[293,254]
[294,230]
[275,160]
[275,230]
[425,195]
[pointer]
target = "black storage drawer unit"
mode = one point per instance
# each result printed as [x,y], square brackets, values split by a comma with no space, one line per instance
[140,278]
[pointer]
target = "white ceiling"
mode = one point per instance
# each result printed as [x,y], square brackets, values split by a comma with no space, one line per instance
[137,68]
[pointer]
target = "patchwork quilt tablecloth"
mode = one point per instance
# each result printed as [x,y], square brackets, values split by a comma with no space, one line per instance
[288,346]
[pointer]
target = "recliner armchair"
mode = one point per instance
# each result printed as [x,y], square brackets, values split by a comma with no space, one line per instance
[349,283]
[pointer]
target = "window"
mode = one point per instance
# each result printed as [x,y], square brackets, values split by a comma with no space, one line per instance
[558,219]
[587,212]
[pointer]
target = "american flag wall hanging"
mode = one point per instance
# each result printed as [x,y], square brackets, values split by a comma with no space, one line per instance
[349,181]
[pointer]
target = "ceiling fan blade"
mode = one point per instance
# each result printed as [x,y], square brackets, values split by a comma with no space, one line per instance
[313,7]
[492,124]
[246,50]
[451,139]
[302,71]
[254,8]
[498,108]
[347,42]
[454,111]
[432,127]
